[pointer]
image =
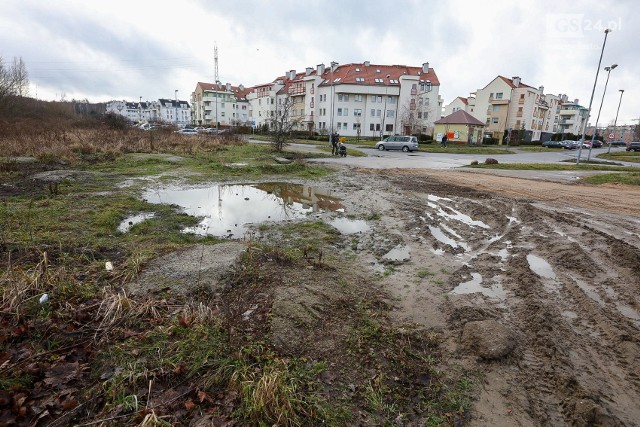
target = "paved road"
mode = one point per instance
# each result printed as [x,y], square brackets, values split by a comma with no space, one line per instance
[421,160]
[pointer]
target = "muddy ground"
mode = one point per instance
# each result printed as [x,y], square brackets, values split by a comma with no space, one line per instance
[556,265]
[534,285]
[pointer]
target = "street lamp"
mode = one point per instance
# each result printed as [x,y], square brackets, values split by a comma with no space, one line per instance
[593,91]
[176,99]
[616,120]
[332,91]
[595,131]
[384,112]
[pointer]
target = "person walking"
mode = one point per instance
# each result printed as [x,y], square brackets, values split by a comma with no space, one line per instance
[444,140]
[334,143]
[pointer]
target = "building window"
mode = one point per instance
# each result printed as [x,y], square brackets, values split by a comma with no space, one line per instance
[339,111]
[371,126]
[495,120]
[357,98]
[390,113]
[373,98]
[346,111]
[360,79]
[339,126]
[378,113]
[373,112]
[389,128]
[499,95]
[357,112]
[496,108]
[356,126]
[391,99]
[419,114]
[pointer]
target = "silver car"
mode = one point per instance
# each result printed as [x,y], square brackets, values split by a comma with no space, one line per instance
[404,143]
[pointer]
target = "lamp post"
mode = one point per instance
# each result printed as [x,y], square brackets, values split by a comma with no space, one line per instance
[176,99]
[595,131]
[384,111]
[616,120]
[332,91]
[593,91]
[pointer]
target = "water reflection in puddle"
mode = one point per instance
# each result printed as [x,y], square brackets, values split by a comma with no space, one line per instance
[443,238]
[475,286]
[349,226]
[541,267]
[228,210]
[130,221]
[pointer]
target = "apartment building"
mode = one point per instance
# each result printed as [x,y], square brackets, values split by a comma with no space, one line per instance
[460,104]
[509,104]
[164,110]
[174,111]
[132,111]
[218,105]
[571,116]
[357,99]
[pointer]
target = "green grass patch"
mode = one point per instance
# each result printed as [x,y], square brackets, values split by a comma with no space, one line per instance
[615,178]
[555,166]
[622,156]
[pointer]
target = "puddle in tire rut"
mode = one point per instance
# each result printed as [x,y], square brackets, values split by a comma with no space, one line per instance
[227,210]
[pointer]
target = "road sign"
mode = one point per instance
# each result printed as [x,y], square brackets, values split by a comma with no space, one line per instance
[611,136]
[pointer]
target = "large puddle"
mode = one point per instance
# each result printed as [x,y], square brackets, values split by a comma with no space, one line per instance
[229,210]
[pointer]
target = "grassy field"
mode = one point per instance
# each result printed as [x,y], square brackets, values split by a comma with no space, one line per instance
[77,349]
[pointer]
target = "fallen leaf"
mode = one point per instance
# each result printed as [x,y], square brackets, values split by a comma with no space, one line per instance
[62,373]
[189,405]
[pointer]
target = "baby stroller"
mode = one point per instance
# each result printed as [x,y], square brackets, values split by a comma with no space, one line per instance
[342,150]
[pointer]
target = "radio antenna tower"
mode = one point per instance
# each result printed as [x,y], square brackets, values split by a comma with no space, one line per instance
[215,60]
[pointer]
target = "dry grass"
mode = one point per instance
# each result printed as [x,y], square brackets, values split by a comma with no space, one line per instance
[73,143]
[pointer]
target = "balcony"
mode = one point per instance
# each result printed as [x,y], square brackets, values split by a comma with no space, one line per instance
[496,101]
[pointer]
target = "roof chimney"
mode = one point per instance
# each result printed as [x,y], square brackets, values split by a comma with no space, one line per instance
[241,86]
[516,81]
[320,69]
[367,63]
[228,88]
[575,101]
[541,89]
[308,71]
[425,67]
[292,74]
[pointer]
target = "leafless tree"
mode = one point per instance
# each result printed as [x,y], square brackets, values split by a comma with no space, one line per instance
[281,124]
[14,82]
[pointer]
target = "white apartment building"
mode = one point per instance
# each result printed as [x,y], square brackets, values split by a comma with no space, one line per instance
[218,105]
[132,111]
[164,110]
[460,103]
[353,99]
[174,111]
[571,116]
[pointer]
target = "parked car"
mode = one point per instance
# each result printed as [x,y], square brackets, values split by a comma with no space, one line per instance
[398,142]
[187,131]
[633,146]
[597,143]
[618,143]
[570,145]
[553,144]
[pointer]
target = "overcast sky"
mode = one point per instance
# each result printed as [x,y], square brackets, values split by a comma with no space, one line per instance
[123,49]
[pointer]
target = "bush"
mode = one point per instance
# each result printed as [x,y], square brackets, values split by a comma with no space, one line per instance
[489,140]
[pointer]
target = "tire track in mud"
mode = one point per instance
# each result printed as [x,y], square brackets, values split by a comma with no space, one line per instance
[576,360]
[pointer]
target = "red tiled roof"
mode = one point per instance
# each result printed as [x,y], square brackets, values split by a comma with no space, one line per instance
[347,74]
[510,83]
[460,117]
[219,87]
